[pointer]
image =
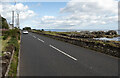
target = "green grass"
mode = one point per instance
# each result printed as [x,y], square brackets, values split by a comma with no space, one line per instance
[57,33]
[10,41]
[51,33]
[13,67]
[1,37]
[5,43]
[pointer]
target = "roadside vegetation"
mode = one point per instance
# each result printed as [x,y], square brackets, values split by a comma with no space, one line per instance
[4,43]
[13,67]
[3,23]
[84,34]
[10,42]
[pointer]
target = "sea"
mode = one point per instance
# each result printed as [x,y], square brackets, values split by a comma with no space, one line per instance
[110,39]
[78,30]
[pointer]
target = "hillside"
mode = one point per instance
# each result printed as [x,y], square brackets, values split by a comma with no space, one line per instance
[3,23]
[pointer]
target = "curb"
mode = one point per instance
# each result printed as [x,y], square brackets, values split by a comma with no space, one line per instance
[18,67]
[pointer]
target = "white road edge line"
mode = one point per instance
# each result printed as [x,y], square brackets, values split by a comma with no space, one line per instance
[63,53]
[40,40]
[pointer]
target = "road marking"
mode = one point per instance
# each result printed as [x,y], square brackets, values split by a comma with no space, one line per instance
[63,53]
[40,40]
[34,36]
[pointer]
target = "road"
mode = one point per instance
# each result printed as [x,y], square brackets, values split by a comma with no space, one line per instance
[43,56]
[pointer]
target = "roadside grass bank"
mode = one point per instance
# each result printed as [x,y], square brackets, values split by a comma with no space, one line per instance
[4,43]
[107,47]
[9,63]
[13,67]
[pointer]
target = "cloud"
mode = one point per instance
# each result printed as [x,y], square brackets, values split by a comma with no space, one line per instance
[97,12]
[91,6]
[47,18]
[84,14]
[77,14]
[24,11]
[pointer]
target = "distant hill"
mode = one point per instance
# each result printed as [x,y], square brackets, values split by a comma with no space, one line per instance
[3,23]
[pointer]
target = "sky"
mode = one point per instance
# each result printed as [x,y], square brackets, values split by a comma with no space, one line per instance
[92,14]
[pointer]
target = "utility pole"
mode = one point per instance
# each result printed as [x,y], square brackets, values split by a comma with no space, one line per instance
[17,20]
[13,18]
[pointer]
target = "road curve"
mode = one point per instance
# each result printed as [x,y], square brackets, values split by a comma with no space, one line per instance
[43,56]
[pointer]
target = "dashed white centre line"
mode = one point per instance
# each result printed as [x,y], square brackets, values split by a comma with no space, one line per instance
[34,36]
[63,53]
[40,40]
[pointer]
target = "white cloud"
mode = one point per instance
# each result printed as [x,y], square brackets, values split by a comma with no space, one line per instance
[80,14]
[21,7]
[97,6]
[84,14]
[48,17]
[97,12]
[27,14]
[24,11]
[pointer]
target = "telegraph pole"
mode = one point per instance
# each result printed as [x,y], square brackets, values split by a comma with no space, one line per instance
[18,20]
[13,18]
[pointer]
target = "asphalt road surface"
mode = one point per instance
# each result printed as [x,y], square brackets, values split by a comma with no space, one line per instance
[43,56]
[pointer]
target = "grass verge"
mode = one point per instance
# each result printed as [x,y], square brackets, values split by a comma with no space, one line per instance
[4,44]
[11,41]
[13,67]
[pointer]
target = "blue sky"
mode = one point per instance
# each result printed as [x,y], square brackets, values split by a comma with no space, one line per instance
[46,8]
[100,14]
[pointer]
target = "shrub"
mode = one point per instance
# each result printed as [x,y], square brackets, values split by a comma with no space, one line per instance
[5,37]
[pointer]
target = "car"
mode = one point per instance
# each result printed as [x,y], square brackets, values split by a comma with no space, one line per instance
[25,32]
